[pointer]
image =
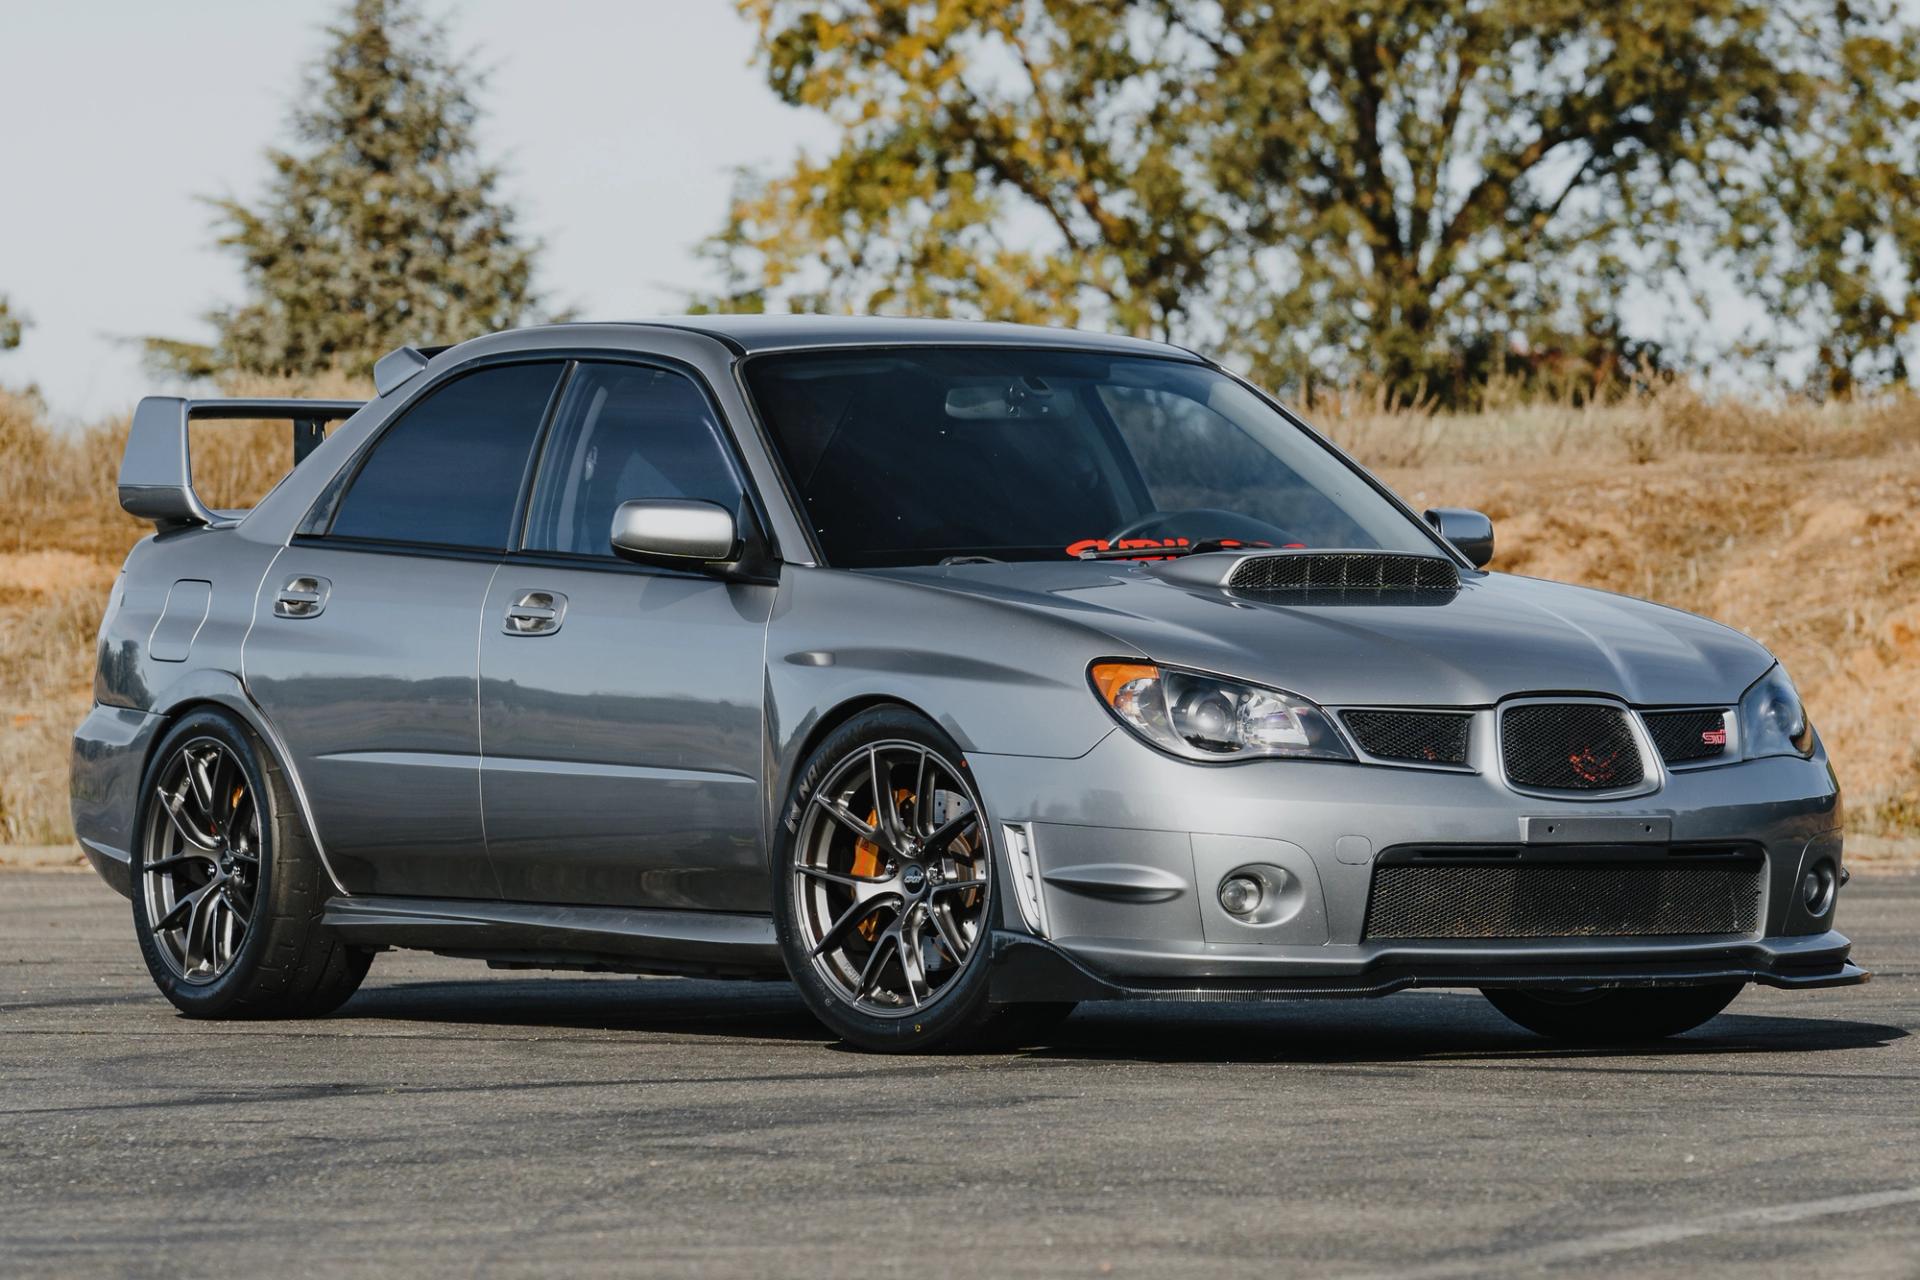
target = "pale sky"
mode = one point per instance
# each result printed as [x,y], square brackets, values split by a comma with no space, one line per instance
[618,124]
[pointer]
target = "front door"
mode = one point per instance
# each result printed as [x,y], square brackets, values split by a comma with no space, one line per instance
[364,651]
[621,714]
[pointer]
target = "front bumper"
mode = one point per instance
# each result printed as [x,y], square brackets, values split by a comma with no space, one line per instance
[1128,848]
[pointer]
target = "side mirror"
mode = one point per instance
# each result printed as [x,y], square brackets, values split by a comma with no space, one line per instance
[1469,531]
[676,532]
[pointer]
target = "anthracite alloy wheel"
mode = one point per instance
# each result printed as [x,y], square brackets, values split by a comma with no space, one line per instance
[202,859]
[884,889]
[228,888]
[890,877]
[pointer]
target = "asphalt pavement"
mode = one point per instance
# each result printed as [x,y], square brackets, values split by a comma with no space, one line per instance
[455,1121]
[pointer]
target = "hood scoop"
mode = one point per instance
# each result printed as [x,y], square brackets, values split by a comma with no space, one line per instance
[1321,577]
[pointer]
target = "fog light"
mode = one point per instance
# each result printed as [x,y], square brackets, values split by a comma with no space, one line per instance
[1816,891]
[1240,895]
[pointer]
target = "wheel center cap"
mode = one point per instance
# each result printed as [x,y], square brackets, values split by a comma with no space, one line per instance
[914,878]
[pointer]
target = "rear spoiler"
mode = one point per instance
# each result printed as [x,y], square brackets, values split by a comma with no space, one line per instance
[156,472]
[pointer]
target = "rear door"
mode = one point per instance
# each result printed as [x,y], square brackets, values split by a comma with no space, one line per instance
[621,705]
[364,648]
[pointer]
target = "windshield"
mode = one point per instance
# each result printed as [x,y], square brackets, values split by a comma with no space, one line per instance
[922,455]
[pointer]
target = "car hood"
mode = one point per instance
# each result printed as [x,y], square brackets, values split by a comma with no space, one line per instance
[1496,637]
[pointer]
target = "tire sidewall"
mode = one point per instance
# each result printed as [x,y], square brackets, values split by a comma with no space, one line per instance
[961,1006]
[216,997]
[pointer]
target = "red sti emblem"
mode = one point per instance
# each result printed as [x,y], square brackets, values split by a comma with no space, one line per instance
[1714,737]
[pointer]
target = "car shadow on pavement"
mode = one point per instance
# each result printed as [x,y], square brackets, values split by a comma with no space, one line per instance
[1409,1030]
[677,1006]
[1400,1029]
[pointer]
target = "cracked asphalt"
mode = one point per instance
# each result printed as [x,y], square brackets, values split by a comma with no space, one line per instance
[455,1121]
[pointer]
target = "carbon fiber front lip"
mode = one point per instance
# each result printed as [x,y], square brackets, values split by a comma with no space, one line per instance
[1027,968]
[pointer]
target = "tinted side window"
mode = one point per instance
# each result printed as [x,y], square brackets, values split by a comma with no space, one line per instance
[449,471]
[624,432]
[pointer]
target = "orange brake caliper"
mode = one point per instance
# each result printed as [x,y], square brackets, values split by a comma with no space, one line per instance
[866,857]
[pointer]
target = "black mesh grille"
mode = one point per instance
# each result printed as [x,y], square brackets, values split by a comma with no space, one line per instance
[1572,746]
[1684,736]
[1438,737]
[1557,900]
[1353,572]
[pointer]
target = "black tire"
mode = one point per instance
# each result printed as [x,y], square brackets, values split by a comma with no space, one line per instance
[1620,1016]
[284,963]
[957,1012]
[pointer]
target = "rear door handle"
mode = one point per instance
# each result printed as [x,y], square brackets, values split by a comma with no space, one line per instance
[303,596]
[535,613]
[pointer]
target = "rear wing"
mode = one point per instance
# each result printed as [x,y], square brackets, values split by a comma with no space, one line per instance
[156,472]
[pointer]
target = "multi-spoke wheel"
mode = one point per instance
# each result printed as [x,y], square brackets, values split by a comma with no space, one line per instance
[202,859]
[890,877]
[883,885]
[229,889]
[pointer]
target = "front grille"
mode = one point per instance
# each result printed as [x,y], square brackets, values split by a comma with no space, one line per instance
[1344,572]
[1436,737]
[1558,900]
[1684,737]
[1571,746]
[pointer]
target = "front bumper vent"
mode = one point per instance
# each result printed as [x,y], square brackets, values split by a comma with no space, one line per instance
[1563,900]
[1570,746]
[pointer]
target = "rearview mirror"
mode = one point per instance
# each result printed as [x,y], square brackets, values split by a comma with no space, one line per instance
[677,532]
[1470,532]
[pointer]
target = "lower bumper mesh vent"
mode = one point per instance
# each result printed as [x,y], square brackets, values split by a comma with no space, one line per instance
[1558,900]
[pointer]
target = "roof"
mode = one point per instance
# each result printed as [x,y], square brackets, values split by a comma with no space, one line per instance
[751,333]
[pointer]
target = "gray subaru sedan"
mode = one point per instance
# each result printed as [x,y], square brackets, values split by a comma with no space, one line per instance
[956,672]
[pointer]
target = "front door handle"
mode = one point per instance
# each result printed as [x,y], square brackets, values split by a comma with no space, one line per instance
[535,613]
[302,596]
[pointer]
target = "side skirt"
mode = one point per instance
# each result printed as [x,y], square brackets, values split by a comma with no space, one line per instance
[528,935]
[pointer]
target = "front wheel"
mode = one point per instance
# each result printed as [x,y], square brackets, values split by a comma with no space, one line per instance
[883,886]
[1613,1017]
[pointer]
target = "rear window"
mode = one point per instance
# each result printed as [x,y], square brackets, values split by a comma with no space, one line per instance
[448,473]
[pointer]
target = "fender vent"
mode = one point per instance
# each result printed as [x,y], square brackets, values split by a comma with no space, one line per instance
[1353,573]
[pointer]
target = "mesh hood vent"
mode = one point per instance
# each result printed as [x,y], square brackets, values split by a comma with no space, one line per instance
[1353,573]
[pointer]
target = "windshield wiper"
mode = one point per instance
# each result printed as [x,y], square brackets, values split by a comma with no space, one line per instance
[1165,553]
[947,560]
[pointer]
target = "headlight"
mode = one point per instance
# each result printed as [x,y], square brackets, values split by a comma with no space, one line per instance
[1772,720]
[1200,717]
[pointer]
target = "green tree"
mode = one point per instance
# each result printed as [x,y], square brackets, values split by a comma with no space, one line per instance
[382,226]
[11,324]
[1419,191]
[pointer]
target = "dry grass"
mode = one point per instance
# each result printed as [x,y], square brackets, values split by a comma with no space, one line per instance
[60,550]
[1796,523]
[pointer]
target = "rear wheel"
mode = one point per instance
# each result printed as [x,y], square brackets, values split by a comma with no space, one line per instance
[883,887]
[228,890]
[1613,1017]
